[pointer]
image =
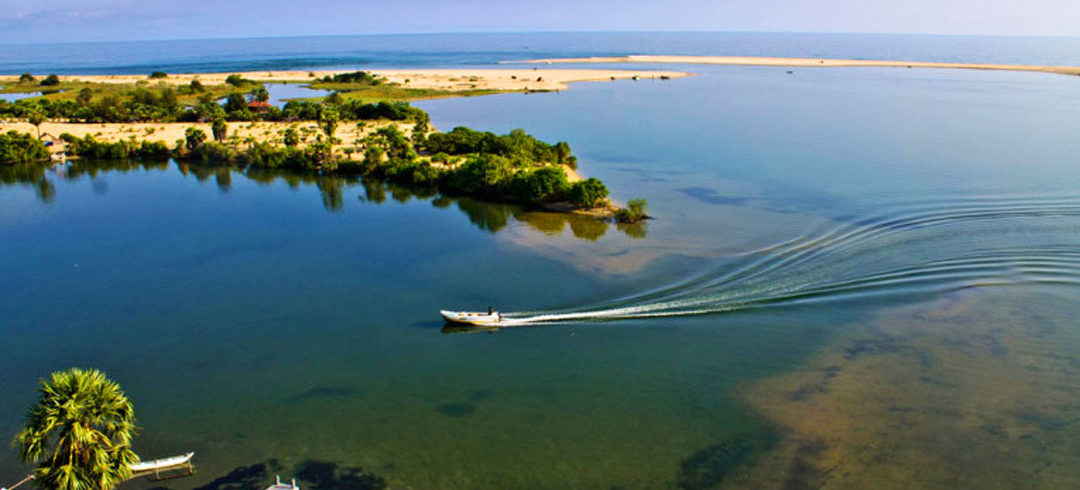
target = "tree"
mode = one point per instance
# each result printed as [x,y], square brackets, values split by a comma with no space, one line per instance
[51,81]
[36,118]
[159,74]
[79,433]
[260,94]
[194,138]
[540,184]
[588,193]
[196,86]
[236,80]
[291,138]
[26,78]
[85,96]
[18,147]
[219,128]
[235,103]
[328,122]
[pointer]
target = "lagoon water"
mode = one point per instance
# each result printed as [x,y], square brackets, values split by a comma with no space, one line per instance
[857,278]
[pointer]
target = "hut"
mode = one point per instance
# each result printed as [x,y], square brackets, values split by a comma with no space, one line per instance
[258,106]
[57,147]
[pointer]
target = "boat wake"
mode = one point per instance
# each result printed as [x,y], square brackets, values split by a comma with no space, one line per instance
[922,247]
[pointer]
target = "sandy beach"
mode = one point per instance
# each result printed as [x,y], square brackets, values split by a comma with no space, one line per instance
[452,79]
[808,63]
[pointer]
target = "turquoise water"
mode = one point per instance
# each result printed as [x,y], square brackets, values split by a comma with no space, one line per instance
[451,50]
[896,249]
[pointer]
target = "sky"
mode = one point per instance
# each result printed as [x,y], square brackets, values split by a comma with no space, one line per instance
[36,21]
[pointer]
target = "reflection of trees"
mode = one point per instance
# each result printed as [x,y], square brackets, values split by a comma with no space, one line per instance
[486,216]
[333,199]
[223,176]
[547,223]
[374,192]
[634,230]
[29,175]
[491,217]
[588,228]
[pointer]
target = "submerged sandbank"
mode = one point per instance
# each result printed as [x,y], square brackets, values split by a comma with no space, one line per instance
[808,63]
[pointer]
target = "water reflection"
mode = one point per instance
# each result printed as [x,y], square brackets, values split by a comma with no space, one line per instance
[490,217]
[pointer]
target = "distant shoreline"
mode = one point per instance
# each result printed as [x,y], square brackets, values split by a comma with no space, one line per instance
[443,79]
[808,63]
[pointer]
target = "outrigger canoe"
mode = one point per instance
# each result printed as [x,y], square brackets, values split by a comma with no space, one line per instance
[471,318]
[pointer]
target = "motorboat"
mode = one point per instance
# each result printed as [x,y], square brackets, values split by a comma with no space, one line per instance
[489,318]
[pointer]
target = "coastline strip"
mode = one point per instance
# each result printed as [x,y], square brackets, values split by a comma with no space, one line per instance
[808,63]
[447,79]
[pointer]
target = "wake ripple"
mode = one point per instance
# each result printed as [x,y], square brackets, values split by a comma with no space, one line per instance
[922,247]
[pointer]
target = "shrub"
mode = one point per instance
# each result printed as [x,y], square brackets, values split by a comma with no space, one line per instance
[51,81]
[18,147]
[236,80]
[633,212]
[220,129]
[193,138]
[159,74]
[539,185]
[588,193]
[26,78]
[291,138]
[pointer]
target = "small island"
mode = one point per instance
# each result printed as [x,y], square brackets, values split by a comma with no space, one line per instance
[364,127]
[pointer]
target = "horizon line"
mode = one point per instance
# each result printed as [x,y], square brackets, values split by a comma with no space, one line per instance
[465,33]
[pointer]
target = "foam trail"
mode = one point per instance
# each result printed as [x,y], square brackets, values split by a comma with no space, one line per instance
[858,259]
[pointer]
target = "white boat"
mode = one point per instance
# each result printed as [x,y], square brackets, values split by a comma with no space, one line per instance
[471,317]
[168,466]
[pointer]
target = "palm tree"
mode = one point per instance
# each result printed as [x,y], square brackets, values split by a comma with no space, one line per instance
[79,433]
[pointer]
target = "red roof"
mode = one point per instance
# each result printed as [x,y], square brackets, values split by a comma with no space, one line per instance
[258,105]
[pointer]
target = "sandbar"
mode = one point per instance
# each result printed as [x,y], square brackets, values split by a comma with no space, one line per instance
[450,79]
[808,63]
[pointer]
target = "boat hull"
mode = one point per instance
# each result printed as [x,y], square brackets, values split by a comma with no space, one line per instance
[470,318]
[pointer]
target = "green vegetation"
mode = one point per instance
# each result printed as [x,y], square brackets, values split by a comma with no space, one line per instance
[50,81]
[633,212]
[357,77]
[26,78]
[514,167]
[79,433]
[88,147]
[588,193]
[517,146]
[158,74]
[238,81]
[21,148]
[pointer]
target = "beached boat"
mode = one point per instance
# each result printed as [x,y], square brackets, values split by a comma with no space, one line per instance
[164,468]
[471,317]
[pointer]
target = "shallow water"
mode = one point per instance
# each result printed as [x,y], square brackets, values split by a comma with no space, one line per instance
[890,252]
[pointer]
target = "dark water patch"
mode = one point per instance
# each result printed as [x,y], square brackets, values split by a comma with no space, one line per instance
[323,392]
[324,475]
[805,472]
[253,477]
[807,390]
[480,395]
[709,467]
[863,347]
[457,409]
[711,196]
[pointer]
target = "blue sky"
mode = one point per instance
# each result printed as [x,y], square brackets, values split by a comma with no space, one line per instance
[83,20]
